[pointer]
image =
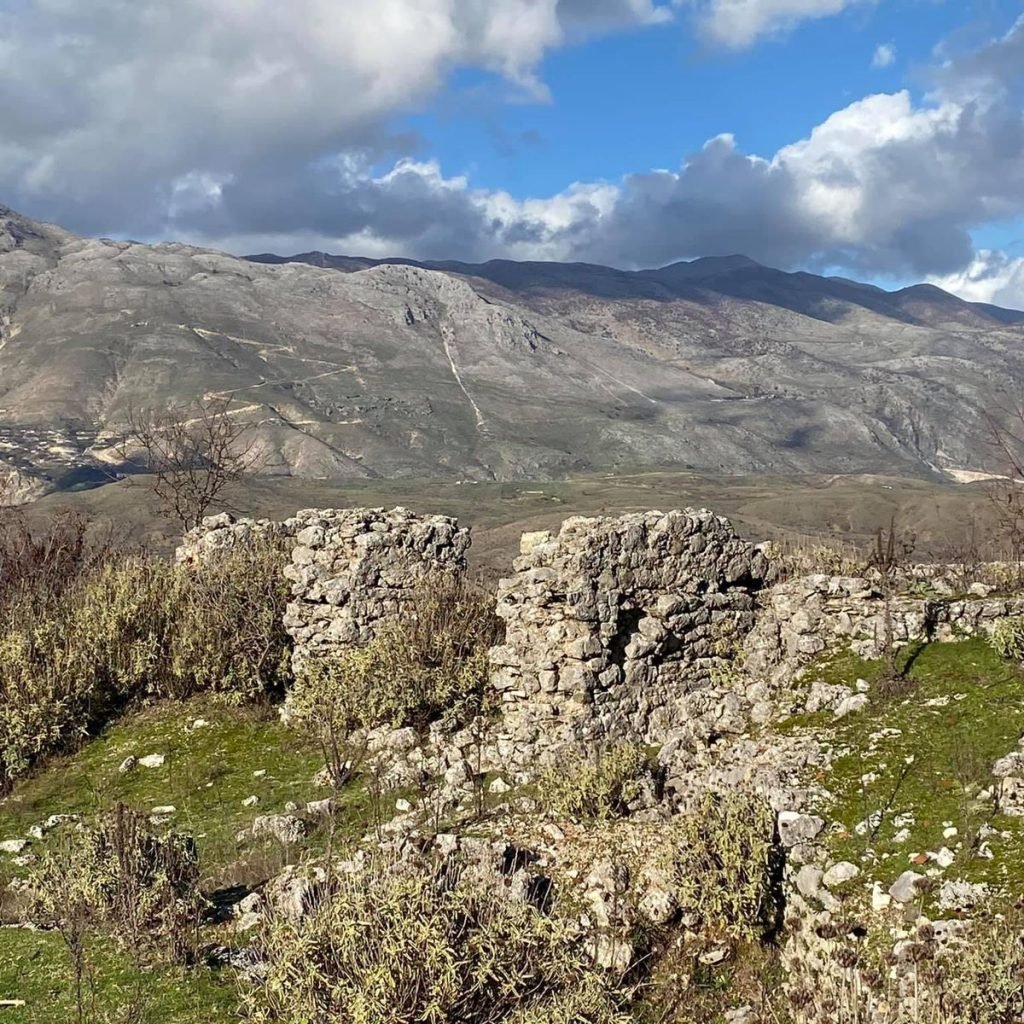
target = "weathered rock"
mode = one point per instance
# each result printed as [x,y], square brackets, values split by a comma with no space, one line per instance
[839,874]
[904,889]
[795,828]
[285,828]
[957,894]
[320,808]
[809,880]
[852,704]
[290,893]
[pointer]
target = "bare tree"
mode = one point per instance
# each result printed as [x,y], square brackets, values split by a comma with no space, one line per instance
[191,455]
[892,552]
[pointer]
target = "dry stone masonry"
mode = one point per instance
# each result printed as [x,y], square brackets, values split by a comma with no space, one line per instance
[219,534]
[620,628]
[660,628]
[354,570]
[804,617]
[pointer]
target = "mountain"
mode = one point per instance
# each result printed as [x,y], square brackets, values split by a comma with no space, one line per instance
[349,368]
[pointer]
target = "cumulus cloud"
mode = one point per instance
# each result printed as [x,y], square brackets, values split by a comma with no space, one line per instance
[140,100]
[884,56]
[255,125]
[885,185]
[737,24]
[990,277]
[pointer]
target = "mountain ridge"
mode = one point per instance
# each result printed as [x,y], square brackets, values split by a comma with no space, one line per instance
[701,268]
[362,368]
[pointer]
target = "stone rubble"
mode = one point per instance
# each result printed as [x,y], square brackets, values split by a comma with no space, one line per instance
[660,629]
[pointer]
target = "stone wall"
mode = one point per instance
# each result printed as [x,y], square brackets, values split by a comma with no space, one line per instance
[623,628]
[650,627]
[804,617]
[355,569]
[221,533]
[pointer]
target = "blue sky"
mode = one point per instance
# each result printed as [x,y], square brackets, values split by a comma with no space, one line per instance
[648,98]
[881,139]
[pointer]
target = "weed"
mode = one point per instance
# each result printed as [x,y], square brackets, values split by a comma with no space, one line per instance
[598,785]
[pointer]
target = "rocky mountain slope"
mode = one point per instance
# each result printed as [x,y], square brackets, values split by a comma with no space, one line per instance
[350,368]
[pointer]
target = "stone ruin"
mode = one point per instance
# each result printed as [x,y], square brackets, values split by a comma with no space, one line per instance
[803,617]
[623,629]
[645,627]
[665,629]
[352,571]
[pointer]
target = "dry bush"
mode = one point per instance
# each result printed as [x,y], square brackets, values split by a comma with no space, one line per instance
[727,866]
[118,877]
[135,628]
[977,978]
[417,943]
[1007,638]
[430,665]
[803,557]
[38,563]
[225,629]
[598,785]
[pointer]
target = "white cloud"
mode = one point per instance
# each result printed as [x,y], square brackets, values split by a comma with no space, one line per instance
[885,56]
[257,125]
[136,97]
[737,24]
[990,277]
[884,186]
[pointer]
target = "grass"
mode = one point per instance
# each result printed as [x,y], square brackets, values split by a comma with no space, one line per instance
[207,774]
[921,759]
[34,967]
[849,509]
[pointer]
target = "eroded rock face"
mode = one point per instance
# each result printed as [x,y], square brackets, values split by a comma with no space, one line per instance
[356,569]
[624,628]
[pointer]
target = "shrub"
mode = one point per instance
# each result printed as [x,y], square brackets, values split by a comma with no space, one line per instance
[38,563]
[226,631]
[334,697]
[135,628]
[119,877]
[977,978]
[1007,638]
[727,866]
[579,785]
[430,665]
[412,944]
[984,981]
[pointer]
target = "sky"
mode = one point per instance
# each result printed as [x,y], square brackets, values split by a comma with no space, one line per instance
[878,139]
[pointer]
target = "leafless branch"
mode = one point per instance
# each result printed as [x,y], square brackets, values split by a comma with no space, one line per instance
[191,456]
